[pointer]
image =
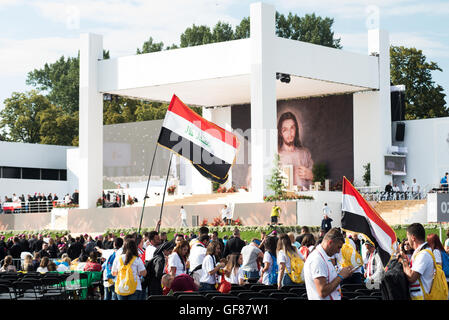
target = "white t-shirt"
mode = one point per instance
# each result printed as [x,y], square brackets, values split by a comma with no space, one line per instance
[196,257]
[149,252]
[183,214]
[235,276]
[208,265]
[62,268]
[404,187]
[175,261]
[326,210]
[423,264]
[415,187]
[225,213]
[267,259]
[318,264]
[396,188]
[42,270]
[136,267]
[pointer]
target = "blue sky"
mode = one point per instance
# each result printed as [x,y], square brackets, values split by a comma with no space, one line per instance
[40,31]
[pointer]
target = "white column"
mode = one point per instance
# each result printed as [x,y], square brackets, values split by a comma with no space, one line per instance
[263,97]
[90,122]
[372,117]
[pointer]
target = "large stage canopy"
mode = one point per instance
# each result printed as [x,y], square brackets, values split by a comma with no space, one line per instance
[238,72]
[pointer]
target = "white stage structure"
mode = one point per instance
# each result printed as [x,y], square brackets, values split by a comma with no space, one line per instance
[237,72]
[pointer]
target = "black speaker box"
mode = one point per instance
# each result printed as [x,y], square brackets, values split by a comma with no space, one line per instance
[400,131]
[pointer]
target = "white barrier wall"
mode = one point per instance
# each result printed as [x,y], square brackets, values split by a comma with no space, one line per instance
[39,156]
[310,213]
[427,142]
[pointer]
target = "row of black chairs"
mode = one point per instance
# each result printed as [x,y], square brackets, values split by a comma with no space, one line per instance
[252,292]
[40,286]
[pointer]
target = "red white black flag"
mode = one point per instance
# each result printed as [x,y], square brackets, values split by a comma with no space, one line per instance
[211,149]
[358,216]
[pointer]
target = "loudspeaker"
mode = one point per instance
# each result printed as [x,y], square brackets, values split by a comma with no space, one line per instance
[397,106]
[400,131]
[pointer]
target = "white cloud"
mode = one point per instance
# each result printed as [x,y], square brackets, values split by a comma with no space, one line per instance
[163,20]
[18,57]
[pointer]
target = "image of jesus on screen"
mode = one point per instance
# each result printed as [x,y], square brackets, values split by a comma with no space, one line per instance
[292,152]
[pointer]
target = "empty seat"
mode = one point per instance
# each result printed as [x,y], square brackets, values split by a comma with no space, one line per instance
[268,291]
[281,295]
[298,291]
[352,286]
[191,297]
[365,292]
[293,298]
[225,298]
[288,287]
[5,293]
[249,295]
[262,299]
[260,286]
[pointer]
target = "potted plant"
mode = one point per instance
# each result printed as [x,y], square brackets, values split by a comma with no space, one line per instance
[171,190]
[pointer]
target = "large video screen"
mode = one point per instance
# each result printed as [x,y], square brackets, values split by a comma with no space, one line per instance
[311,132]
[395,165]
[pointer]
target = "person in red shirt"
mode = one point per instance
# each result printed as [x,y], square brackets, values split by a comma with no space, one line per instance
[92,263]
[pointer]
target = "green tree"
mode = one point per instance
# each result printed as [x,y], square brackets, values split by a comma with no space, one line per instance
[320,172]
[310,28]
[222,32]
[195,36]
[19,119]
[58,127]
[423,97]
[150,46]
[276,181]
[59,81]
[367,174]
[242,31]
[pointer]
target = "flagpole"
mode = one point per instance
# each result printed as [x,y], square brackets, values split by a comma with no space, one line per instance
[163,195]
[146,191]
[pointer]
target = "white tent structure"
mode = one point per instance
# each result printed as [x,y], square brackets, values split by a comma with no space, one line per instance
[237,72]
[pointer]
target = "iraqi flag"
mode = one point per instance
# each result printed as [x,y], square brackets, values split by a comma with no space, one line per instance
[358,216]
[211,149]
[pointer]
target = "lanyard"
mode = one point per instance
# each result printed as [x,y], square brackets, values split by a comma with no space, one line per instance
[328,273]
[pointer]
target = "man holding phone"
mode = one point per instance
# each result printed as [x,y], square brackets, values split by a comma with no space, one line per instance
[321,279]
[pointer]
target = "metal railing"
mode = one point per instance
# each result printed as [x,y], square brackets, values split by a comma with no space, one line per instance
[30,206]
[395,195]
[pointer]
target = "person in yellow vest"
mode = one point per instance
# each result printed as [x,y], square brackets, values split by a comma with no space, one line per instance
[350,257]
[275,213]
[422,271]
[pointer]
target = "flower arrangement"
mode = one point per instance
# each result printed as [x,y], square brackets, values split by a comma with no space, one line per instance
[204,223]
[286,197]
[236,222]
[231,189]
[221,189]
[65,206]
[217,222]
[171,189]
[129,201]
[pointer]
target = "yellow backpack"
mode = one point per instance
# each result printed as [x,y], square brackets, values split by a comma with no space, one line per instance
[125,283]
[350,256]
[439,289]
[297,265]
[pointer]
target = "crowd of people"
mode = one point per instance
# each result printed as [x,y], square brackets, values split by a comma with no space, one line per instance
[39,202]
[197,262]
